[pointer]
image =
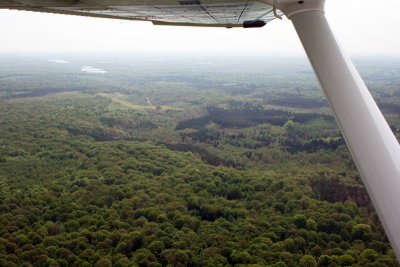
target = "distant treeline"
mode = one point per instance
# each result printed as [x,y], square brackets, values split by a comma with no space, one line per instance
[389,107]
[292,146]
[204,154]
[242,118]
[297,101]
[47,91]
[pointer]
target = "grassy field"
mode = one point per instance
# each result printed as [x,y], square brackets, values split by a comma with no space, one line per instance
[118,99]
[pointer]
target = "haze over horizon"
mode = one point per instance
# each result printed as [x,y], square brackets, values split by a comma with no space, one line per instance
[357,33]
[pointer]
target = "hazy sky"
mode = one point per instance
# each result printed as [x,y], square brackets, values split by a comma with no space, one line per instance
[363,27]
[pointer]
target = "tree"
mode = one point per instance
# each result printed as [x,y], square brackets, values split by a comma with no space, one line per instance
[156,247]
[324,260]
[307,261]
[175,257]
[311,225]
[345,260]
[368,255]
[362,232]
[299,220]
[241,257]
[103,262]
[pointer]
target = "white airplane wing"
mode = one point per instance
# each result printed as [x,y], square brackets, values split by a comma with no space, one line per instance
[228,13]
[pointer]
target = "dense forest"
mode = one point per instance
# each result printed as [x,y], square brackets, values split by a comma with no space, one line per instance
[182,162]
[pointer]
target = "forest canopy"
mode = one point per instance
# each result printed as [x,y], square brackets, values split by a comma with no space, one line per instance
[166,166]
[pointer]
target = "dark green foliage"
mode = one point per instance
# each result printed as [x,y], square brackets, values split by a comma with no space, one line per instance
[242,117]
[324,260]
[300,221]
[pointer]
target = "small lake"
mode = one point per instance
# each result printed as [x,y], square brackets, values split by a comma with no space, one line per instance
[59,61]
[92,70]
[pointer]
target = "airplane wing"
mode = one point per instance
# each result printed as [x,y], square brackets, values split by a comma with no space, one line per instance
[222,13]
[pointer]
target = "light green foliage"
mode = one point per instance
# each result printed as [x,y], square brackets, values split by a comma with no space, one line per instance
[311,225]
[345,260]
[362,232]
[307,261]
[369,255]
[241,257]
[103,262]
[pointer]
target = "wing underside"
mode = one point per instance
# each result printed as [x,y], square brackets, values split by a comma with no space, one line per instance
[229,13]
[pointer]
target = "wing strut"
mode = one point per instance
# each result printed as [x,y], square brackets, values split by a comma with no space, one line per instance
[369,138]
